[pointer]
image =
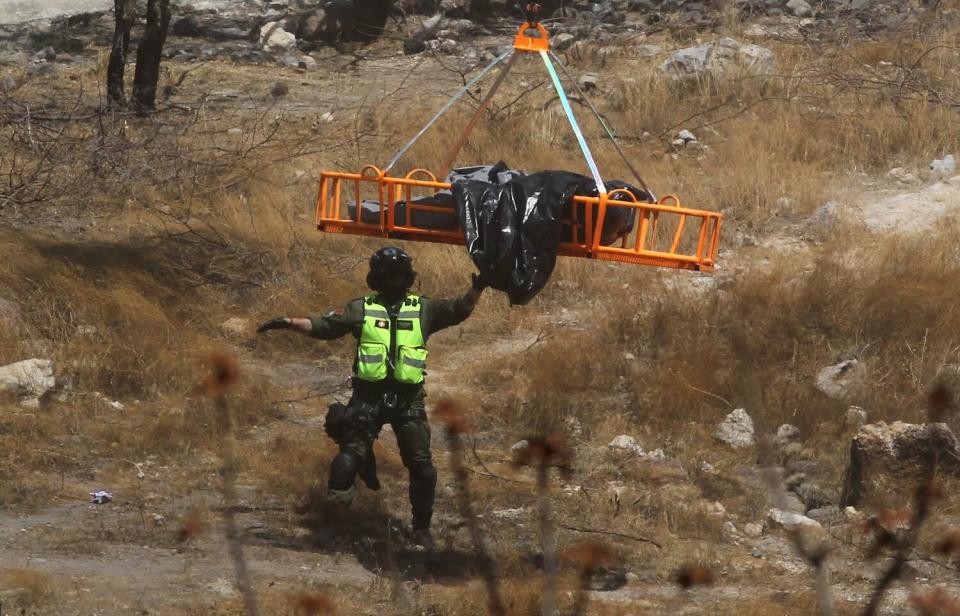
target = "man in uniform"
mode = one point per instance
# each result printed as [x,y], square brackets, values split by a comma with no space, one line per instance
[391,327]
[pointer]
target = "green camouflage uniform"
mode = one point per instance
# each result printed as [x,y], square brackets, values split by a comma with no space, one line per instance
[371,408]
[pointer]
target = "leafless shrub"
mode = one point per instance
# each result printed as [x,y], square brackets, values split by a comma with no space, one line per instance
[224,374]
[455,425]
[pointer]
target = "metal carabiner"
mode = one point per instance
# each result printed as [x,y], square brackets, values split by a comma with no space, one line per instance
[390,399]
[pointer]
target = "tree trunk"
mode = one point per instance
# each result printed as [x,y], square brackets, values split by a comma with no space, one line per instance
[149,54]
[124,14]
[369,17]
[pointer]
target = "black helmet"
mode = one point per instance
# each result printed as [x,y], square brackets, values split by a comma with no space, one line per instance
[391,271]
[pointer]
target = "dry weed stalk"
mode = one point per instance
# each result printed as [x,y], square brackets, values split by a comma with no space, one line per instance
[814,555]
[587,558]
[689,576]
[902,531]
[544,453]
[224,374]
[455,425]
[311,604]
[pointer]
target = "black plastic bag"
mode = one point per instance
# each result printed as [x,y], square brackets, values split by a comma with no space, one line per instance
[512,230]
[513,224]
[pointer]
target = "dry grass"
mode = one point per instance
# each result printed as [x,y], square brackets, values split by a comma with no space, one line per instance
[214,227]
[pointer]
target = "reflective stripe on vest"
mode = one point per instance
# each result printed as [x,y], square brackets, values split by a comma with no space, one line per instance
[407,360]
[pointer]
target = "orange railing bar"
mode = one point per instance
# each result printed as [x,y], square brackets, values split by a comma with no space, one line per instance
[330,216]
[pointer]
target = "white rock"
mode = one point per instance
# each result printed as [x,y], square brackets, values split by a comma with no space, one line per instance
[30,378]
[449,46]
[736,430]
[236,326]
[902,175]
[656,455]
[273,38]
[588,81]
[786,434]
[706,467]
[753,530]
[686,136]
[856,417]
[718,59]
[647,51]
[626,443]
[837,380]
[715,509]
[326,116]
[800,8]
[563,41]
[944,167]
[789,520]
[510,514]
[520,446]
[223,588]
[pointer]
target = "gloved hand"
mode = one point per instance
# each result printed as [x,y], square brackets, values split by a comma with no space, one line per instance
[277,323]
[478,282]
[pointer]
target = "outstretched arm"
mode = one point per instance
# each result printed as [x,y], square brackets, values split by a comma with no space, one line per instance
[332,325]
[299,325]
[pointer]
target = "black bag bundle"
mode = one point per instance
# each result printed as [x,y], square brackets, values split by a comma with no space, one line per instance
[512,224]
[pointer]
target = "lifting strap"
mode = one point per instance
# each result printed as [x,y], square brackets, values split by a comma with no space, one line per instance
[607,130]
[446,107]
[455,151]
[573,123]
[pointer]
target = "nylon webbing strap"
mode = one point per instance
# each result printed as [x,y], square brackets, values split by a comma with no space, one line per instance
[573,122]
[446,107]
[612,137]
[452,157]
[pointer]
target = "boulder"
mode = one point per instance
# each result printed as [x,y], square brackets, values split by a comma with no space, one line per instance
[273,38]
[30,378]
[563,41]
[904,452]
[944,167]
[717,60]
[627,444]
[786,434]
[840,379]
[736,430]
[856,417]
[778,518]
[800,8]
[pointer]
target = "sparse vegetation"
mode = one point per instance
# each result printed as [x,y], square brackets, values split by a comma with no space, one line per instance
[131,241]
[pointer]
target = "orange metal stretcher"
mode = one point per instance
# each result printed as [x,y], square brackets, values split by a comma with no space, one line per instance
[665,233]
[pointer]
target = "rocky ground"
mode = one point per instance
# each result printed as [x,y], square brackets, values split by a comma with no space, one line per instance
[700,491]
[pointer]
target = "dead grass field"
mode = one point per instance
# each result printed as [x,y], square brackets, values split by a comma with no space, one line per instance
[152,233]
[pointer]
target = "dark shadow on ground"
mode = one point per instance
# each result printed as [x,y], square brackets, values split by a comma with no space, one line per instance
[381,543]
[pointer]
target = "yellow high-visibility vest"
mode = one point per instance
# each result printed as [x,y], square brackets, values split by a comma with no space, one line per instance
[391,345]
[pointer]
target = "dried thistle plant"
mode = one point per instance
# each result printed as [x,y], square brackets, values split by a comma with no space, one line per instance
[455,425]
[690,576]
[191,527]
[935,602]
[909,526]
[587,558]
[311,604]
[544,453]
[224,374]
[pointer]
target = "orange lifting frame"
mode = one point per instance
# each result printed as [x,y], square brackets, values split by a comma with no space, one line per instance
[585,235]
[698,256]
